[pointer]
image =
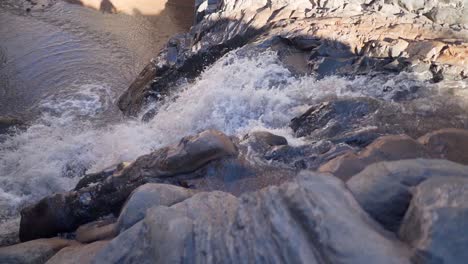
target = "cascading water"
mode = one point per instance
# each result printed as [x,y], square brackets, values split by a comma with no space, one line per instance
[78,131]
[236,95]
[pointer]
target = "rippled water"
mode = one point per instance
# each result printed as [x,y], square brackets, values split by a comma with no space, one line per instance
[63,47]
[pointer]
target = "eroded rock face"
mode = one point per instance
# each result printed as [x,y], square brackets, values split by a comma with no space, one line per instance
[302,221]
[33,252]
[336,37]
[384,189]
[436,221]
[103,194]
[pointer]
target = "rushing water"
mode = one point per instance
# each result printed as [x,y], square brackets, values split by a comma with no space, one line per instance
[62,66]
[76,128]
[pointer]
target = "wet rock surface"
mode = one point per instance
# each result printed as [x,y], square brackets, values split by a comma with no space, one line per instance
[102,195]
[335,37]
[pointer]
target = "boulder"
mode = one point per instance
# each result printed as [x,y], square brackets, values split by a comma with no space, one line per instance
[384,189]
[448,144]
[9,232]
[262,141]
[147,196]
[97,230]
[386,148]
[33,252]
[336,116]
[106,193]
[436,220]
[341,36]
[303,221]
[79,254]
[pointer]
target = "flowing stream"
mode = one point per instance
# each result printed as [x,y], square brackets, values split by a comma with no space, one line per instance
[64,67]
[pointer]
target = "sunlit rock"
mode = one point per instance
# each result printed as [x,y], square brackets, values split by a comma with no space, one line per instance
[302,221]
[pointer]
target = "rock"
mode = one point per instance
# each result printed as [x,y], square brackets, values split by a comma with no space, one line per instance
[191,153]
[32,252]
[338,37]
[384,189]
[147,196]
[448,144]
[79,254]
[302,221]
[261,141]
[436,220]
[97,230]
[386,148]
[100,196]
[341,112]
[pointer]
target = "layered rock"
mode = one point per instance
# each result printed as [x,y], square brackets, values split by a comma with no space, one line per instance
[301,221]
[442,144]
[335,37]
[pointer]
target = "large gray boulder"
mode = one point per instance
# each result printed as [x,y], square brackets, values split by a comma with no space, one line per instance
[147,196]
[384,189]
[437,220]
[313,219]
[33,252]
[105,193]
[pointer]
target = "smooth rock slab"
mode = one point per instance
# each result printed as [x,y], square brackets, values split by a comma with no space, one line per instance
[79,254]
[313,219]
[33,252]
[386,148]
[98,230]
[448,144]
[437,220]
[384,189]
[147,196]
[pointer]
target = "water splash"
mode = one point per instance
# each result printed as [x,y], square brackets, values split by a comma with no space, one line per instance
[236,95]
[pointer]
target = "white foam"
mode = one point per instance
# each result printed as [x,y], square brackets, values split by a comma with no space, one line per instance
[235,95]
